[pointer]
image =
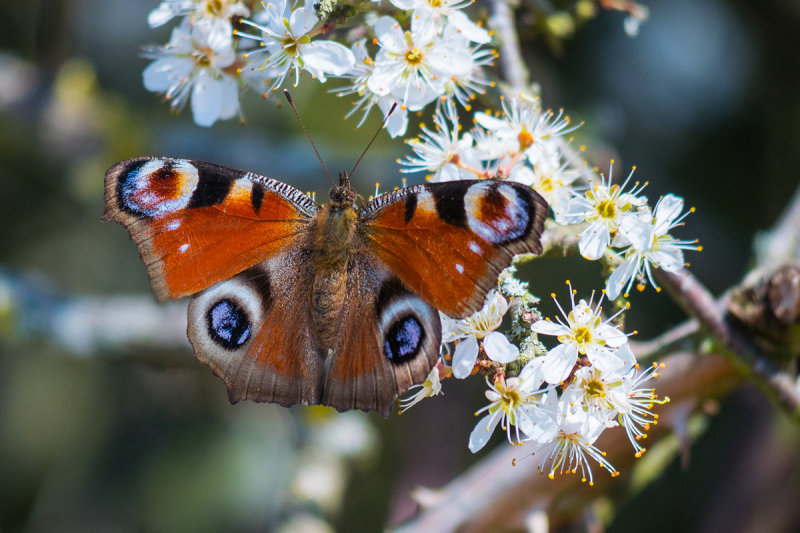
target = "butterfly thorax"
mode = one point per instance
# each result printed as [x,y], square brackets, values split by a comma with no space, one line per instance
[335,245]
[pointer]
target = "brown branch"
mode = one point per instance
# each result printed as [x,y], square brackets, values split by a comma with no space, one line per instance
[698,303]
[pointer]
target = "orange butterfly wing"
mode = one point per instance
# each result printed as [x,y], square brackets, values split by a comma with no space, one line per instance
[450,241]
[197,223]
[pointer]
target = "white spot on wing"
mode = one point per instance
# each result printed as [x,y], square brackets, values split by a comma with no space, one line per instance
[460,268]
[175,224]
[183,247]
[425,202]
[475,247]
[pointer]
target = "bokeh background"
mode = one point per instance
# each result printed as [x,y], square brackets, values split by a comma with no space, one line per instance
[705,101]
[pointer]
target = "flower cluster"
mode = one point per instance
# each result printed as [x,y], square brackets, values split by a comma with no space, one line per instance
[438,57]
[621,227]
[222,46]
[525,144]
[559,402]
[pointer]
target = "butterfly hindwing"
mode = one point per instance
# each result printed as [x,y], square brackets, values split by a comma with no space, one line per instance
[252,331]
[197,224]
[258,334]
[388,340]
[450,241]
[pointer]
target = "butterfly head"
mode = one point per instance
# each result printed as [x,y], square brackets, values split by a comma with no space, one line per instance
[343,195]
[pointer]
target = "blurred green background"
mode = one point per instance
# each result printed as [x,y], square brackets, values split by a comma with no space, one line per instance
[705,101]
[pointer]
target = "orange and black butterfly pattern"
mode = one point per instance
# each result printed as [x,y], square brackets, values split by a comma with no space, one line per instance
[336,304]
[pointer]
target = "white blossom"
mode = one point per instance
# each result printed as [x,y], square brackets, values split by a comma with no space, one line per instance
[523,130]
[444,11]
[582,333]
[650,244]
[573,444]
[216,13]
[443,150]
[285,35]
[514,401]
[362,69]
[188,66]
[479,326]
[604,207]
[431,387]
[413,66]
[555,184]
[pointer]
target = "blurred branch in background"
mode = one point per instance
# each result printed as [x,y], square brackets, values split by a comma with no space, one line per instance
[133,327]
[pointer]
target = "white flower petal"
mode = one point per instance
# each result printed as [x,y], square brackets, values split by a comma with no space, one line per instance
[468,29]
[160,15]
[667,210]
[489,122]
[397,122]
[327,57]
[613,337]
[559,362]
[220,35]
[451,60]
[499,349]
[206,99]
[482,432]
[638,232]
[669,259]
[626,355]
[384,77]
[163,73]
[229,97]
[301,21]
[531,376]
[406,5]
[537,423]
[547,327]
[621,276]
[464,357]
[594,241]
[605,360]
[423,28]
[390,35]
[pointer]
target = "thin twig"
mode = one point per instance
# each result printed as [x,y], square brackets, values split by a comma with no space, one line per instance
[513,69]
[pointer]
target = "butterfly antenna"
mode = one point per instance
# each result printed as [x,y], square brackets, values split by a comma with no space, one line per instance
[305,132]
[373,138]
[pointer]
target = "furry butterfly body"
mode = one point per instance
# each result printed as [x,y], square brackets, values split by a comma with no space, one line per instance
[294,302]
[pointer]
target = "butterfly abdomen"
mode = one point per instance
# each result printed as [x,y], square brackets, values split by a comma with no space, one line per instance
[334,244]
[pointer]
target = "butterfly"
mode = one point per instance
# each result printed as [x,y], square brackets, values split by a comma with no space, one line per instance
[296,302]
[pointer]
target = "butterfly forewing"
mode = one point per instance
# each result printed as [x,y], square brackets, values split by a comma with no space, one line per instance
[450,241]
[197,224]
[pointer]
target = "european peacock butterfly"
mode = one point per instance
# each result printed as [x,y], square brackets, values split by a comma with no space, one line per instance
[294,302]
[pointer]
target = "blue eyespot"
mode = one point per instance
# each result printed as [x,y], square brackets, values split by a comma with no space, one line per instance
[404,339]
[228,324]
